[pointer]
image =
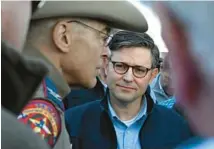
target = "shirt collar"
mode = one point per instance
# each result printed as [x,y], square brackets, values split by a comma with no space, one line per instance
[104,84]
[149,100]
[141,113]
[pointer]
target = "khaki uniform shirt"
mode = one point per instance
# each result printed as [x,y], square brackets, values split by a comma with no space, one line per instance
[45,112]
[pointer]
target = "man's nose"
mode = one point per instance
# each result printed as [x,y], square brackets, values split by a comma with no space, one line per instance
[105,55]
[128,76]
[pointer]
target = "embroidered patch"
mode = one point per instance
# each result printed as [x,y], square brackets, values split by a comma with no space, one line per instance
[43,118]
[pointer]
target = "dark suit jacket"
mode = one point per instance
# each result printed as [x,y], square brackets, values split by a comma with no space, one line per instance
[90,127]
[81,96]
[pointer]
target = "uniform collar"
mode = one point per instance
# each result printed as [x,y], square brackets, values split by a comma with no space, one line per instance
[53,74]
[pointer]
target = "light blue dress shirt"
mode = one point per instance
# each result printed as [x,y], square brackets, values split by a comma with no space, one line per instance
[127,132]
[168,103]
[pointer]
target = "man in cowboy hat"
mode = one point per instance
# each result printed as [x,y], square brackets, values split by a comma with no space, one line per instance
[70,36]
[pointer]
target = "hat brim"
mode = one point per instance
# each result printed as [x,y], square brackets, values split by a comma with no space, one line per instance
[117,14]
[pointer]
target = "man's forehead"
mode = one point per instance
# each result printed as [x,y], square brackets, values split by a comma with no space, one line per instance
[141,57]
[93,22]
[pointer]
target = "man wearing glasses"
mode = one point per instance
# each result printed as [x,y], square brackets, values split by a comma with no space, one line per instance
[127,117]
[69,36]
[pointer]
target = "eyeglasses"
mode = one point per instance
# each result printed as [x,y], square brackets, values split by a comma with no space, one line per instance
[122,68]
[106,37]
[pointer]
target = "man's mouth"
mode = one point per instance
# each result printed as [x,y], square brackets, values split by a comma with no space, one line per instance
[127,87]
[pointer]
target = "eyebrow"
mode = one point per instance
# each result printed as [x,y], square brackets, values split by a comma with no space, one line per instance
[129,64]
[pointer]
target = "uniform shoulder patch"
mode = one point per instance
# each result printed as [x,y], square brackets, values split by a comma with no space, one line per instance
[43,118]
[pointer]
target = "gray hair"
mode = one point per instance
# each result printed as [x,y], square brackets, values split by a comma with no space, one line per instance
[131,39]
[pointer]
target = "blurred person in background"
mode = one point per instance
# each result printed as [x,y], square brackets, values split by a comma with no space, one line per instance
[188,29]
[160,64]
[157,54]
[162,84]
[69,36]
[127,116]
[19,80]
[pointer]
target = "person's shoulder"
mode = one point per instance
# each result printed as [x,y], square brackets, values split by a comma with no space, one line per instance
[164,110]
[197,143]
[168,103]
[43,118]
[49,91]
[17,135]
[171,123]
[75,116]
[79,110]
[168,115]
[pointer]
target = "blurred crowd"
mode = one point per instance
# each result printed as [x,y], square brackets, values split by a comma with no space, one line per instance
[87,75]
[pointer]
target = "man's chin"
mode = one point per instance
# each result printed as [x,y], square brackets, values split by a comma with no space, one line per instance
[125,97]
[90,84]
[86,84]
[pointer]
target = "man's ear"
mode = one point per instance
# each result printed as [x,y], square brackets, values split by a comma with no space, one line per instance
[106,68]
[154,74]
[62,36]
